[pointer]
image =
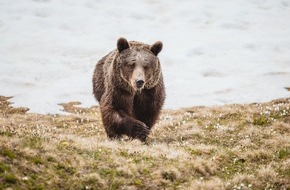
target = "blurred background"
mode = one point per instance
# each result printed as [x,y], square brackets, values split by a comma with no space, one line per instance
[215,52]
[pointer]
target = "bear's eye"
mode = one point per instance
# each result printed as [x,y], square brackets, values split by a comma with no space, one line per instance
[146,67]
[132,65]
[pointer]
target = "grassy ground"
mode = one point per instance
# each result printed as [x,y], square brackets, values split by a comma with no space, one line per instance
[225,147]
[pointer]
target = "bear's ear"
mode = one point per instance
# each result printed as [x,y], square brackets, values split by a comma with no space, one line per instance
[156,48]
[122,44]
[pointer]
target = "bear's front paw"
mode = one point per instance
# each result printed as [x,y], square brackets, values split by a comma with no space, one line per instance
[140,131]
[134,129]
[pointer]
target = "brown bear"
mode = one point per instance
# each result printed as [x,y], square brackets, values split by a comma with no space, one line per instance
[128,84]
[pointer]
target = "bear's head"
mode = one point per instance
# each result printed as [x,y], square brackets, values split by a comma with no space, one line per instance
[138,64]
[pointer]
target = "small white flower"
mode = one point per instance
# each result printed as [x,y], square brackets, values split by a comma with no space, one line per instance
[168,118]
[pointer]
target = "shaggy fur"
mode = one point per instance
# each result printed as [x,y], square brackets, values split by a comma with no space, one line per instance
[128,107]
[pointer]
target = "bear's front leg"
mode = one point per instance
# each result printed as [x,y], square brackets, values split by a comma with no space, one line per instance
[134,128]
[118,123]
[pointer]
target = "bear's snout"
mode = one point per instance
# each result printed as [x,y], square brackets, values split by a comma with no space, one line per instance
[138,78]
[139,83]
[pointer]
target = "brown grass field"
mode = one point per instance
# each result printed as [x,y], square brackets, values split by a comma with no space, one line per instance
[221,147]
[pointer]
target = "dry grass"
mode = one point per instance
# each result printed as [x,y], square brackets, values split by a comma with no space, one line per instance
[225,147]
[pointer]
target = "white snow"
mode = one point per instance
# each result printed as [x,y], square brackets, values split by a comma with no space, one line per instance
[215,51]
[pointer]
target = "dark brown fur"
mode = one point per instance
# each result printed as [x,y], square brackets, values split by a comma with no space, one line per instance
[126,109]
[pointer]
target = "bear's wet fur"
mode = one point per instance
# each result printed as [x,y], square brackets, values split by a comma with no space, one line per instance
[128,84]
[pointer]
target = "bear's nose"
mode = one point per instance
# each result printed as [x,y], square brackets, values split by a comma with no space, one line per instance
[139,83]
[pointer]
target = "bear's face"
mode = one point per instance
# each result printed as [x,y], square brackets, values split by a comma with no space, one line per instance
[139,65]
